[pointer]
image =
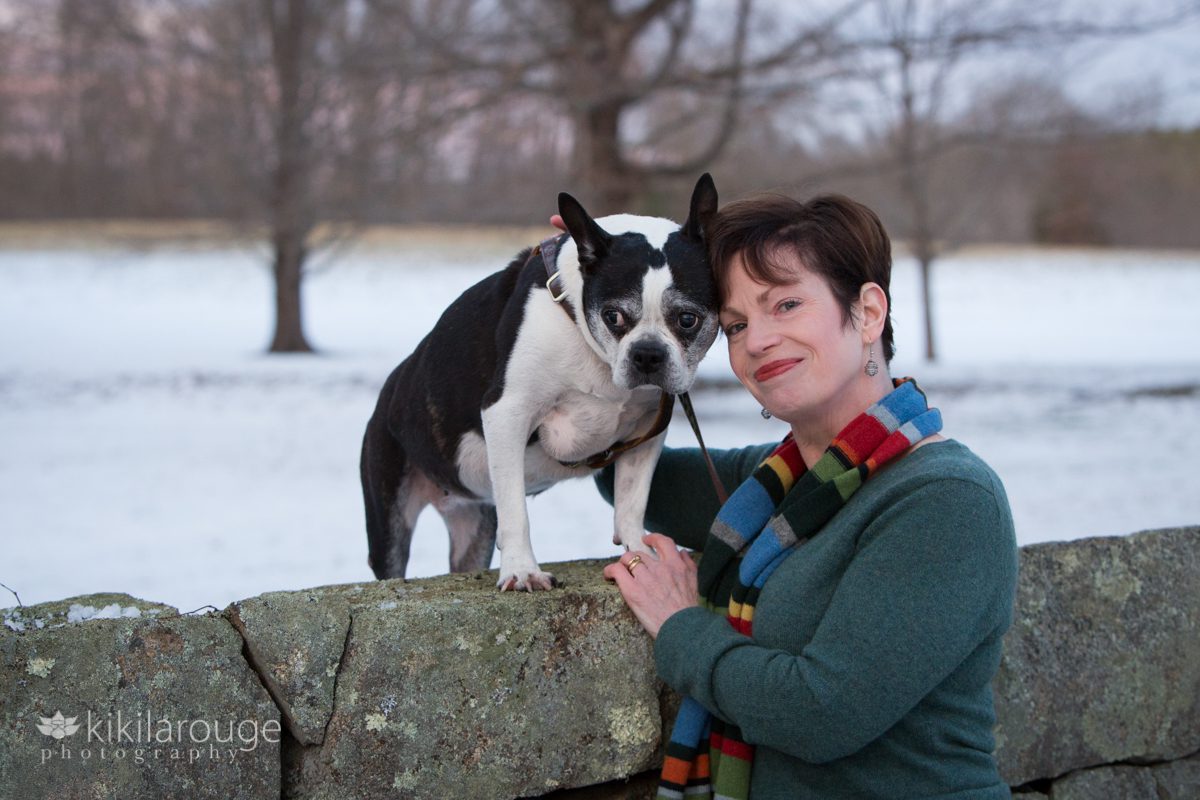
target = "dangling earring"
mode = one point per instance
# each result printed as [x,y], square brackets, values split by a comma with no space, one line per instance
[765,414]
[872,369]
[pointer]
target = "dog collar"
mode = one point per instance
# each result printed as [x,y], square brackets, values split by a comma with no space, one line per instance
[548,249]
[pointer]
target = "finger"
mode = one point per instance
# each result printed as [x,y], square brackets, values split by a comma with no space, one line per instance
[657,540]
[614,569]
[638,559]
[557,221]
[621,569]
[661,545]
[624,581]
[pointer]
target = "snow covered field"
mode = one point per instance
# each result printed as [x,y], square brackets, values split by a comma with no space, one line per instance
[148,446]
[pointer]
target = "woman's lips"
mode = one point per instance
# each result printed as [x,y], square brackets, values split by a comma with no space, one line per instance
[770,370]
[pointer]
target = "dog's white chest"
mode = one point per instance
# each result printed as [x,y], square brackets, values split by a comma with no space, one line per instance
[581,425]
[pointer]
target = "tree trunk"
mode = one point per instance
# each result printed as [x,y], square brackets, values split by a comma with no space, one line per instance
[927,305]
[923,247]
[288,269]
[916,192]
[606,173]
[289,221]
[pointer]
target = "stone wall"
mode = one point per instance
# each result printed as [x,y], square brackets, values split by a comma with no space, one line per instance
[444,688]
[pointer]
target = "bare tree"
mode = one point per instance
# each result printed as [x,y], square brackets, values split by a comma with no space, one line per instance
[912,53]
[92,50]
[262,75]
[920,46]
[305,106]
[649,93]
[93,130]
[294,28]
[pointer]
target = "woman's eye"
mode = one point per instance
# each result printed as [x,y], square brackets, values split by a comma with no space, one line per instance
[613,318]
[688,320]
[788,305]
[734,328]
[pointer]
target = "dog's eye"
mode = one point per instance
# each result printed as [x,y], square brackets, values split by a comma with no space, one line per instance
[687,320]
[613,318]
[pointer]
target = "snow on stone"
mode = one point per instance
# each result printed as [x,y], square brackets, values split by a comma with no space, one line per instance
[78,613]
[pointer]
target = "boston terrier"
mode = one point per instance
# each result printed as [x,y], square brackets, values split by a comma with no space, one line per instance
[565,360]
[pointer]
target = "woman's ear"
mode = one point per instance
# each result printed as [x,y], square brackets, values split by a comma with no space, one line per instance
[874,309]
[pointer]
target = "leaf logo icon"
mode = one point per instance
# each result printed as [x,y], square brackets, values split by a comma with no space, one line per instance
[58,726]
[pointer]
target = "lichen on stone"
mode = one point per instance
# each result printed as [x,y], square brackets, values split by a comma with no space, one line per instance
[40,667]
[632,726]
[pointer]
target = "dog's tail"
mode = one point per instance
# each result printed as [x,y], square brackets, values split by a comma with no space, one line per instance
[382,466]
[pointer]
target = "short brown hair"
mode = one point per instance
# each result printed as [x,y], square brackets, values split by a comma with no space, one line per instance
[835,237]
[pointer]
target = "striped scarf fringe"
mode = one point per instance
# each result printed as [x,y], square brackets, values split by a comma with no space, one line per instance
[709,758]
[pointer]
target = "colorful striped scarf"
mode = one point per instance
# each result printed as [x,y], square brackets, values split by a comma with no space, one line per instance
[748,542]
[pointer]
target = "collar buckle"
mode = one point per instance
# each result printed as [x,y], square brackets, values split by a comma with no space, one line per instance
[561,295]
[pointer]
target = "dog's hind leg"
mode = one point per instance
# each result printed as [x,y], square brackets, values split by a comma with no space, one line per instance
[472,529]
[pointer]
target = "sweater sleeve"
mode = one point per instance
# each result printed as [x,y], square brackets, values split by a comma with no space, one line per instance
[682,501]
[932,579]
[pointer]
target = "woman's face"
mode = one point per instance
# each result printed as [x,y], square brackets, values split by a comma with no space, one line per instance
[791,347]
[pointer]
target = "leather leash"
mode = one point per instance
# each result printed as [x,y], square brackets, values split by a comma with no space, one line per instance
[722,495]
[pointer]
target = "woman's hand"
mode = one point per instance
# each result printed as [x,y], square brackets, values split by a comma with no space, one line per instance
[557,222]
[655,588]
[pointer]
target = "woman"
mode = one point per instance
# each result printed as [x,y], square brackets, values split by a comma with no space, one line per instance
[862,601]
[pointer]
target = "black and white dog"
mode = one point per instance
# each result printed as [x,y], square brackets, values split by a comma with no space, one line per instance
[530,378]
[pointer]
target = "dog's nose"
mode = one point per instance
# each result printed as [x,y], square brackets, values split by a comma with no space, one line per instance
[648,357]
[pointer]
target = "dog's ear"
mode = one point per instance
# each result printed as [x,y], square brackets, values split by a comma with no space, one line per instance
[591,240]
[703,207]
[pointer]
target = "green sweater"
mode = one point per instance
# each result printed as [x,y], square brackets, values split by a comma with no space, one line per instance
[869,674]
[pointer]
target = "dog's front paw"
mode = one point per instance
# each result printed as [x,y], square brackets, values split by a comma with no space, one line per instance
[631,541]
[524,577]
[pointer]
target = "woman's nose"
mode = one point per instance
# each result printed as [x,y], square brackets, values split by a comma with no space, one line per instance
[761,338]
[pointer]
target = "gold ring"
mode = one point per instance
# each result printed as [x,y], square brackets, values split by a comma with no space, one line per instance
[636,561]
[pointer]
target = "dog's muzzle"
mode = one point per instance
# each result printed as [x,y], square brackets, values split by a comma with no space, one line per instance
[648,358]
